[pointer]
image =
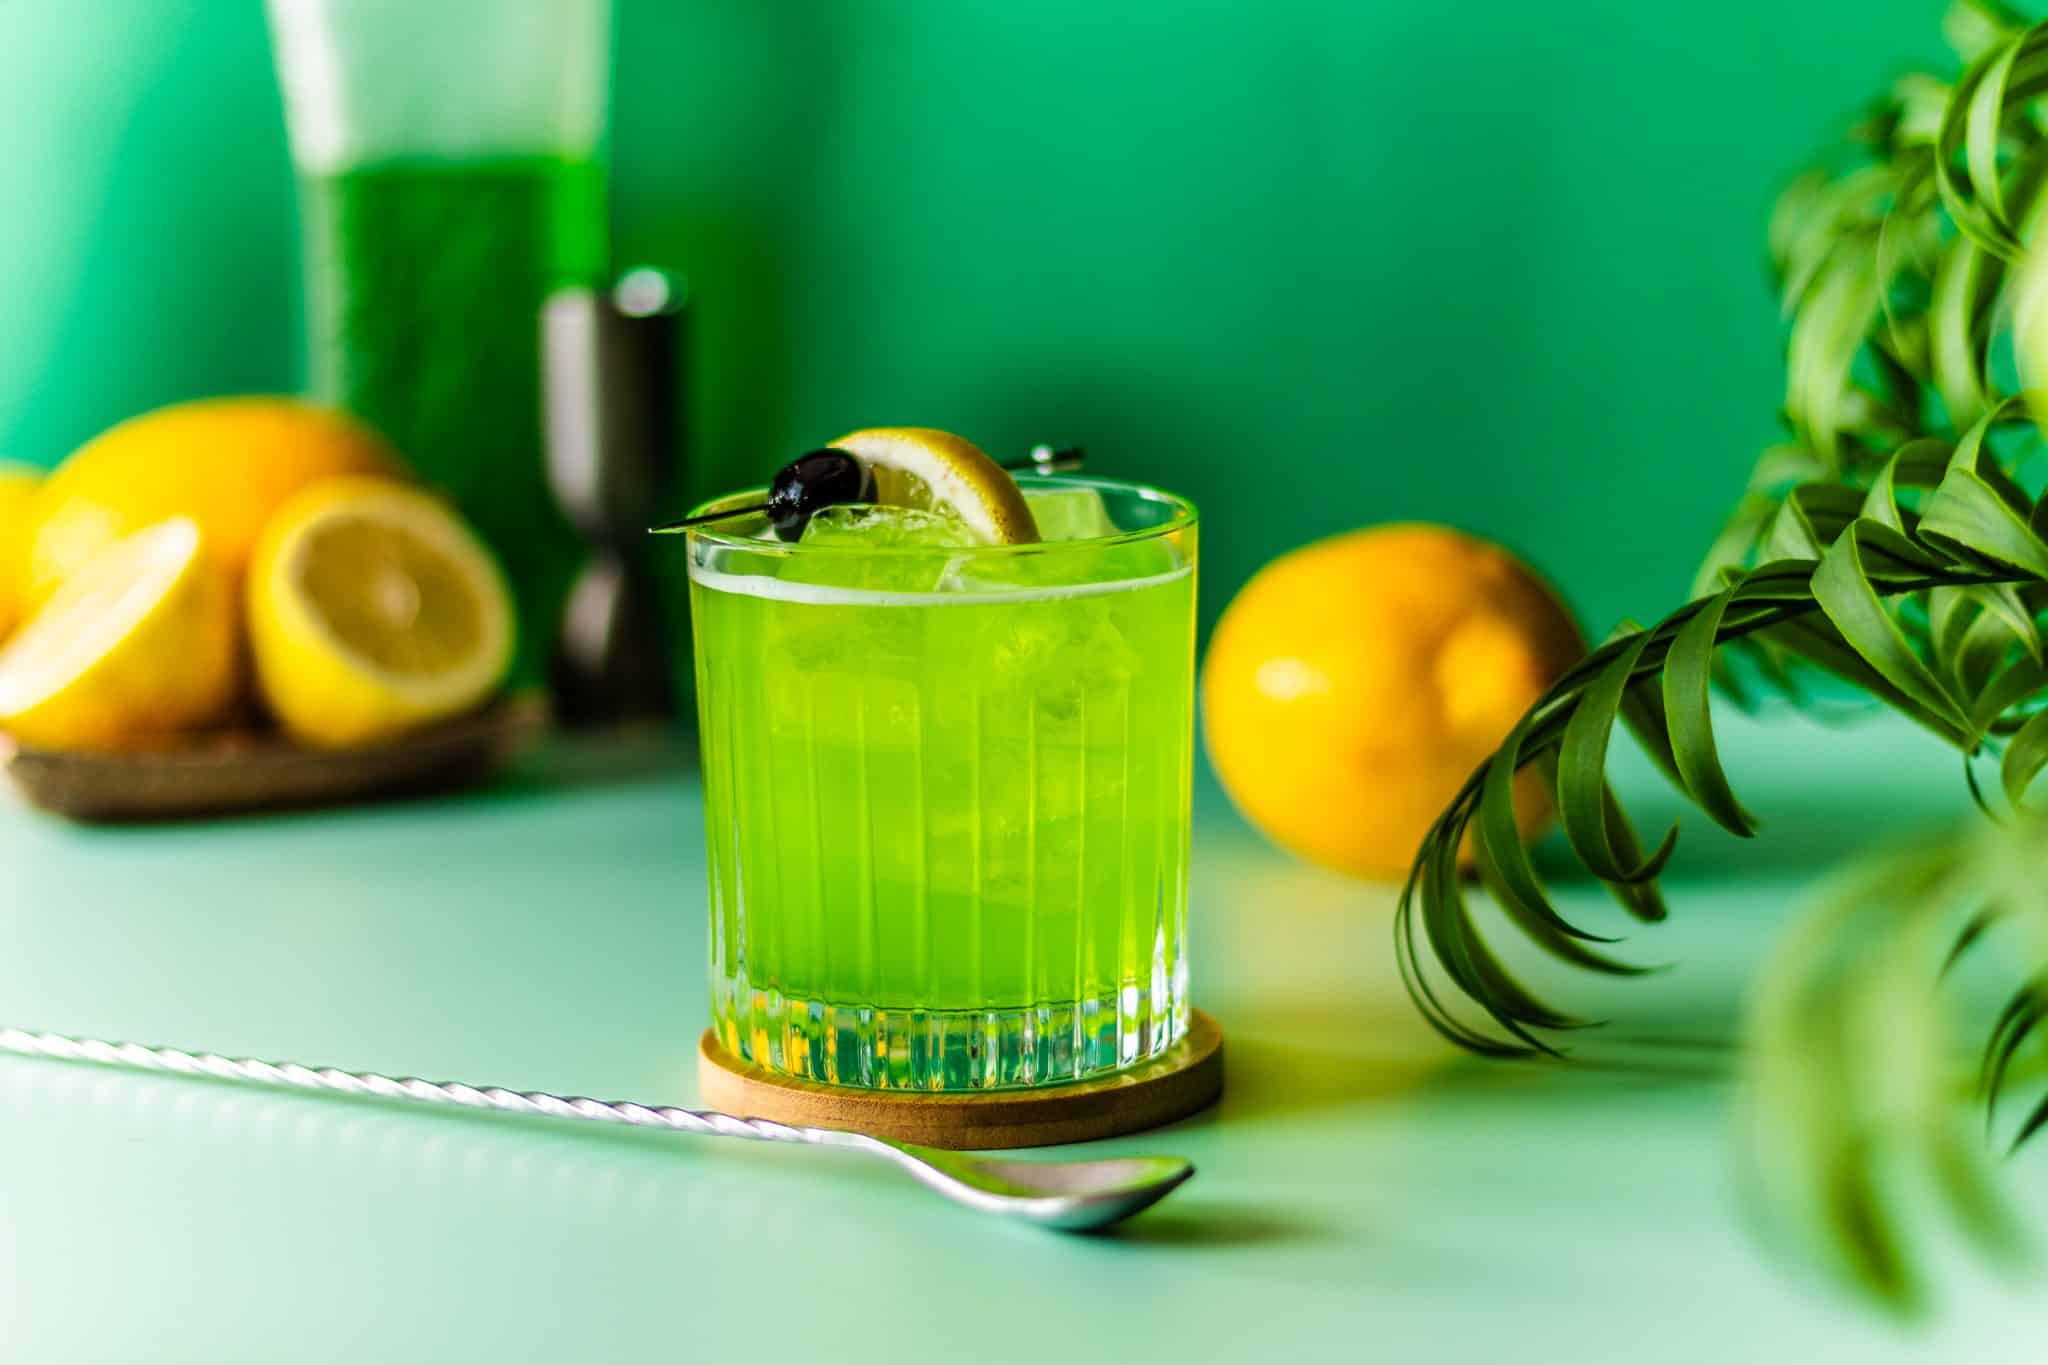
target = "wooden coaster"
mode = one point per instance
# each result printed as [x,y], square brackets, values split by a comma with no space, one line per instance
[1186,1077]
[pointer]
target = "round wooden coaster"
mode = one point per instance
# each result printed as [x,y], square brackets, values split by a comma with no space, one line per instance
[1186,1077]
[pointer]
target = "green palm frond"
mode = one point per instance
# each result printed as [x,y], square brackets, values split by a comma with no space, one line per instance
[1850,1082]
[1938,524]
[1893,539]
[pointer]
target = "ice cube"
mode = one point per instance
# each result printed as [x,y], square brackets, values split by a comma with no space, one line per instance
[886,528]
[1061,566]
[1069,513]
[911,549]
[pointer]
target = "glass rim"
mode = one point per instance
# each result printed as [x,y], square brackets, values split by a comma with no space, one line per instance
[1183,516]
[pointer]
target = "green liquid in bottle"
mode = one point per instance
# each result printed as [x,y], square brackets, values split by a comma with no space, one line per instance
[424,283]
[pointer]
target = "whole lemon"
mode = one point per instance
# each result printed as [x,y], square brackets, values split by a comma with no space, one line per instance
[227,463]
[1355,683]
[18,484]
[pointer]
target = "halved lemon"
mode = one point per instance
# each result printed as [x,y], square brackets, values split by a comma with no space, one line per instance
[137,644]
[373,609]
[938,471]
[18,484]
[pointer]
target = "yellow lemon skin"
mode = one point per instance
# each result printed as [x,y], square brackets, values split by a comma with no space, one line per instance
[141,645]
[227,463]
[925,467]
[373,610]
[1354,684]
[18,484]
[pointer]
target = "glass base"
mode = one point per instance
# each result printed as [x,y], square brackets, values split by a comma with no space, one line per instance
[883,1049]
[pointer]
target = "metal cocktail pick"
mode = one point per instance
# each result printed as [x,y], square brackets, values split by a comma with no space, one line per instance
[1043,459]
[1074,1196]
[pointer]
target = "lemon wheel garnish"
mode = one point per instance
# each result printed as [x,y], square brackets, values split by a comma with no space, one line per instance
[938,471]
[373,609]
[138,644]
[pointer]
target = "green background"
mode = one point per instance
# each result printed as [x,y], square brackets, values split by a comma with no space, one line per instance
[1319,266]
[1317,263]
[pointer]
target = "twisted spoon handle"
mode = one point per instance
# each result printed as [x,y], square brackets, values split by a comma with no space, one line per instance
[294,1076]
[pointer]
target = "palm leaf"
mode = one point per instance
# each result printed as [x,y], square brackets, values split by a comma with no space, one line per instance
[1839,609]
[1890,539]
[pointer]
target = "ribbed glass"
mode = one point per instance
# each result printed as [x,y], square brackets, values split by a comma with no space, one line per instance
[947,809]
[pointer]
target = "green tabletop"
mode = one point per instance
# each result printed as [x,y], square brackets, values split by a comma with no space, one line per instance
[1363,1192]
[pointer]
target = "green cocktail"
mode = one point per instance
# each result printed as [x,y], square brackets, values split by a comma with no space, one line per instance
[946,790]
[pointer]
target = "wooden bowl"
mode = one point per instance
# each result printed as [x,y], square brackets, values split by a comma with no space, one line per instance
[263,770]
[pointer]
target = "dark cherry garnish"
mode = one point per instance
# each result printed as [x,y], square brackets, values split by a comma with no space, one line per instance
[810,483]
[830,477]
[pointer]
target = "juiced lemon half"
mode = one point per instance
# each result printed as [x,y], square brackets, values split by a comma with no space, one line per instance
[139,643]
[938,471]
[373,609]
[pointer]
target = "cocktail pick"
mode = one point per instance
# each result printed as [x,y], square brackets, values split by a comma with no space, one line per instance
[792,484]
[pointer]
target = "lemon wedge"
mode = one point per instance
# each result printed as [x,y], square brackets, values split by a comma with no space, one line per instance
[938,471]
[18,484]
[139,643]
[372,610]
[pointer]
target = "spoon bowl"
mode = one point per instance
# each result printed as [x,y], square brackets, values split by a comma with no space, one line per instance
[1072,1196]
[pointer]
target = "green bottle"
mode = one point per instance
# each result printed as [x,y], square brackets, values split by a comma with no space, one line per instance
[424,283]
